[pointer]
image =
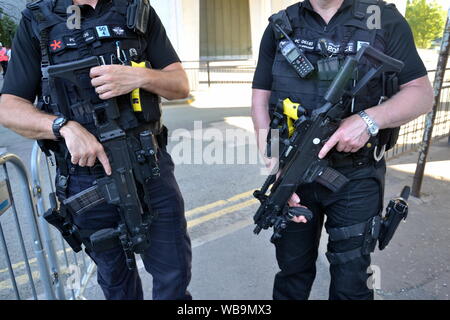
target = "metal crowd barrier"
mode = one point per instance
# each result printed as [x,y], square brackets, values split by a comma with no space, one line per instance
[42,251]
[80,265]
[8,206]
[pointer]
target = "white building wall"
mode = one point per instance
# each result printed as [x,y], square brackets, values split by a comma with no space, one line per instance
[260,11]
[181,18]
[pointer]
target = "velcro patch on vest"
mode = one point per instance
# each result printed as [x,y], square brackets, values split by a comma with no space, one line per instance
[306,45]
[102,32]
[333,48]
[118,31]
[89,35]
[70,42]
[361,43]
[336,47]
[57,45]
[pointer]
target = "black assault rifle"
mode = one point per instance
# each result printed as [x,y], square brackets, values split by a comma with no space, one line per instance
[299,163]
[130,160]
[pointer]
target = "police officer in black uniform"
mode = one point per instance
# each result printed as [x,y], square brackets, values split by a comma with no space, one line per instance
[107,32]
[328,31]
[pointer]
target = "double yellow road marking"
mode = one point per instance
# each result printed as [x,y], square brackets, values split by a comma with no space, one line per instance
[217,214]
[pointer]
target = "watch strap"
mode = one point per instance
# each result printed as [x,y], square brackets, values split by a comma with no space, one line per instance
[58,123]
[371,124]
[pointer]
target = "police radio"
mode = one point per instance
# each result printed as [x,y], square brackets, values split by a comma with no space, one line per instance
[294,55]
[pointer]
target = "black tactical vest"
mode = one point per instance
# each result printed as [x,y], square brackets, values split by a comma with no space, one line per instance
[341,40]
[105,35]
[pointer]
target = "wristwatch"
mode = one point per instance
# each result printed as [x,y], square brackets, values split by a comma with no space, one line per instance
[58,123]
[372,126]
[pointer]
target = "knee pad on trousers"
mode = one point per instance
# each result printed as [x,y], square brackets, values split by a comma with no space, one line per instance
[365,233]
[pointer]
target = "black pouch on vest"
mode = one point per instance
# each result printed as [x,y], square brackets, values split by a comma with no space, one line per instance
[137,15]
[328,68]
[151,106]
[389,137]
[146,105]
[282,20]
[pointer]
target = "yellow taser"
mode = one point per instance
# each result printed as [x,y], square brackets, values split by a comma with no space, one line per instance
[290,109]
[136,93]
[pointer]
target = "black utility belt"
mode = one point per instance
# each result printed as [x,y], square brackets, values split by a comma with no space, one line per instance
[351,161]
[96,170]
[156,127]
[158,130]
[363,158]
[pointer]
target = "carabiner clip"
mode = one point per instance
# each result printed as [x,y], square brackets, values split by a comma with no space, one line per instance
[378,156]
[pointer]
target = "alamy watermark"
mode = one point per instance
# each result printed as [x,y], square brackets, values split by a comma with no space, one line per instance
[73,282]
[73,17]
[374,19]
[212,146]
[374,281]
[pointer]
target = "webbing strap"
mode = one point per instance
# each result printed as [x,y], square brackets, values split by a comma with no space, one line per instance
[344,257]
[43,40]
[293,13]
[344,233]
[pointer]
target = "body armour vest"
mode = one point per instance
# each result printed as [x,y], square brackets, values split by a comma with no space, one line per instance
[340,40]
[105,35]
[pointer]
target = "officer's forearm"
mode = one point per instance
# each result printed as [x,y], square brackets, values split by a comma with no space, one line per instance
[260,116]
[170,83]
[22,117]
[413,100]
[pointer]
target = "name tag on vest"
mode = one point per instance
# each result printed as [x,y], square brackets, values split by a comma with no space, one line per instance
[70,42]
[336,47]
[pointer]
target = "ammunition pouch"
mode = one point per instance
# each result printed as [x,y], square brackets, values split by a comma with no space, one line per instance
[391,86]
[389,137]
[137,15]
[151,107]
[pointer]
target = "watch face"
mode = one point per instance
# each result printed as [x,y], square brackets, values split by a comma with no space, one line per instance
[60,121]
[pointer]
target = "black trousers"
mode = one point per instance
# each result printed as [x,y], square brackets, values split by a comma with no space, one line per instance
[297,250]
[168,259]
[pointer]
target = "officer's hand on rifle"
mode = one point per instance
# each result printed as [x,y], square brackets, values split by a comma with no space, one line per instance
[351,136]
[272,165]
[294,201]
[112,81]
[84,148]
